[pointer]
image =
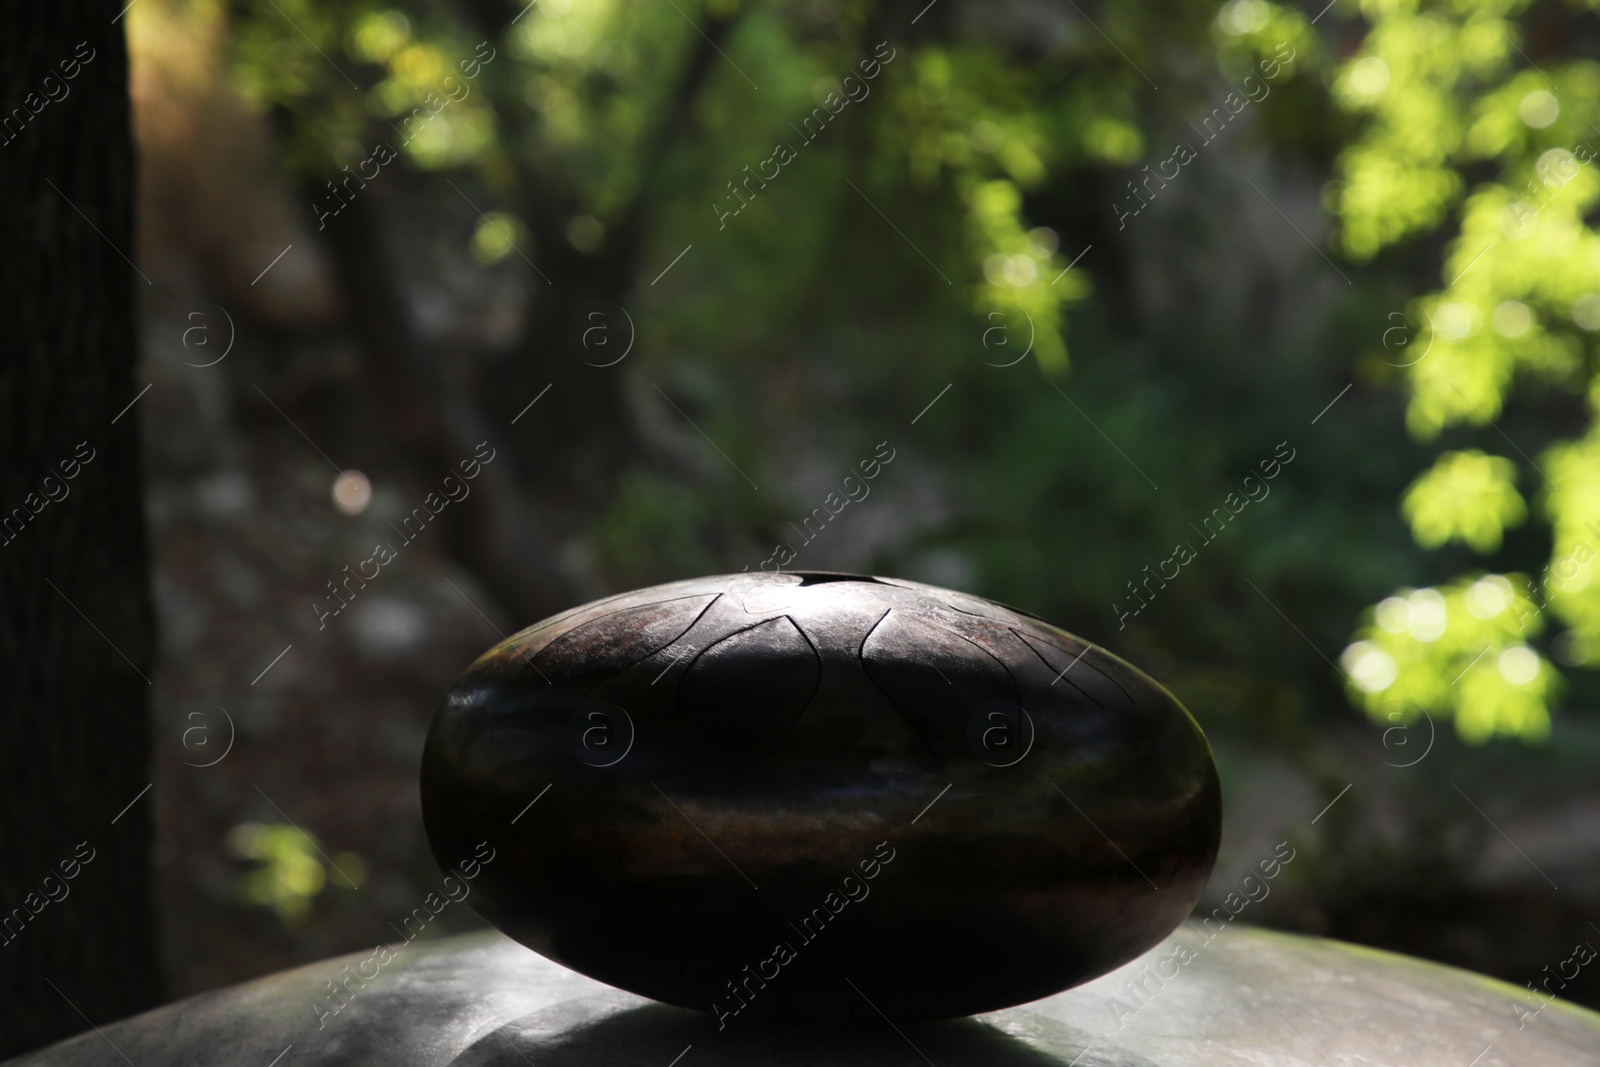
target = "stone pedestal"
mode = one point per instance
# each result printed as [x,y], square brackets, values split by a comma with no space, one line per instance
[1248,996]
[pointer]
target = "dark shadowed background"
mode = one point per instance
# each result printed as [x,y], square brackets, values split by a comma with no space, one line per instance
[1255,343]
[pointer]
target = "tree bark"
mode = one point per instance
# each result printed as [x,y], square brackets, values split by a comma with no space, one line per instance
[77,929]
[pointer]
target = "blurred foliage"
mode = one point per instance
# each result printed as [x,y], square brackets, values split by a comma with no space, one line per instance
[289,869]
[1465,133]
[1466,496]
[923,240]
[1459,649]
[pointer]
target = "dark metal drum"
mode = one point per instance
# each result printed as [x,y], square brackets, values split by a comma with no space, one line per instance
[808,795]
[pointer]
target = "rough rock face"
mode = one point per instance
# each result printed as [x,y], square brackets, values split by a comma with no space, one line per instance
[785,794]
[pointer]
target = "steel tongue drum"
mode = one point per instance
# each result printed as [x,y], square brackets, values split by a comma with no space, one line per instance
[808,795]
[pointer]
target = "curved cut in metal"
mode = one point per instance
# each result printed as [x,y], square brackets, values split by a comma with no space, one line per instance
[778,796]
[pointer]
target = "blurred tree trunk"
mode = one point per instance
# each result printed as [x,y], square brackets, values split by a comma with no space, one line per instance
[575,446]
[75,614]
[496,532]
[590,426]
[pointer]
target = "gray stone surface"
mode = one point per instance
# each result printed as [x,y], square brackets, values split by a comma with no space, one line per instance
[1249,996]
